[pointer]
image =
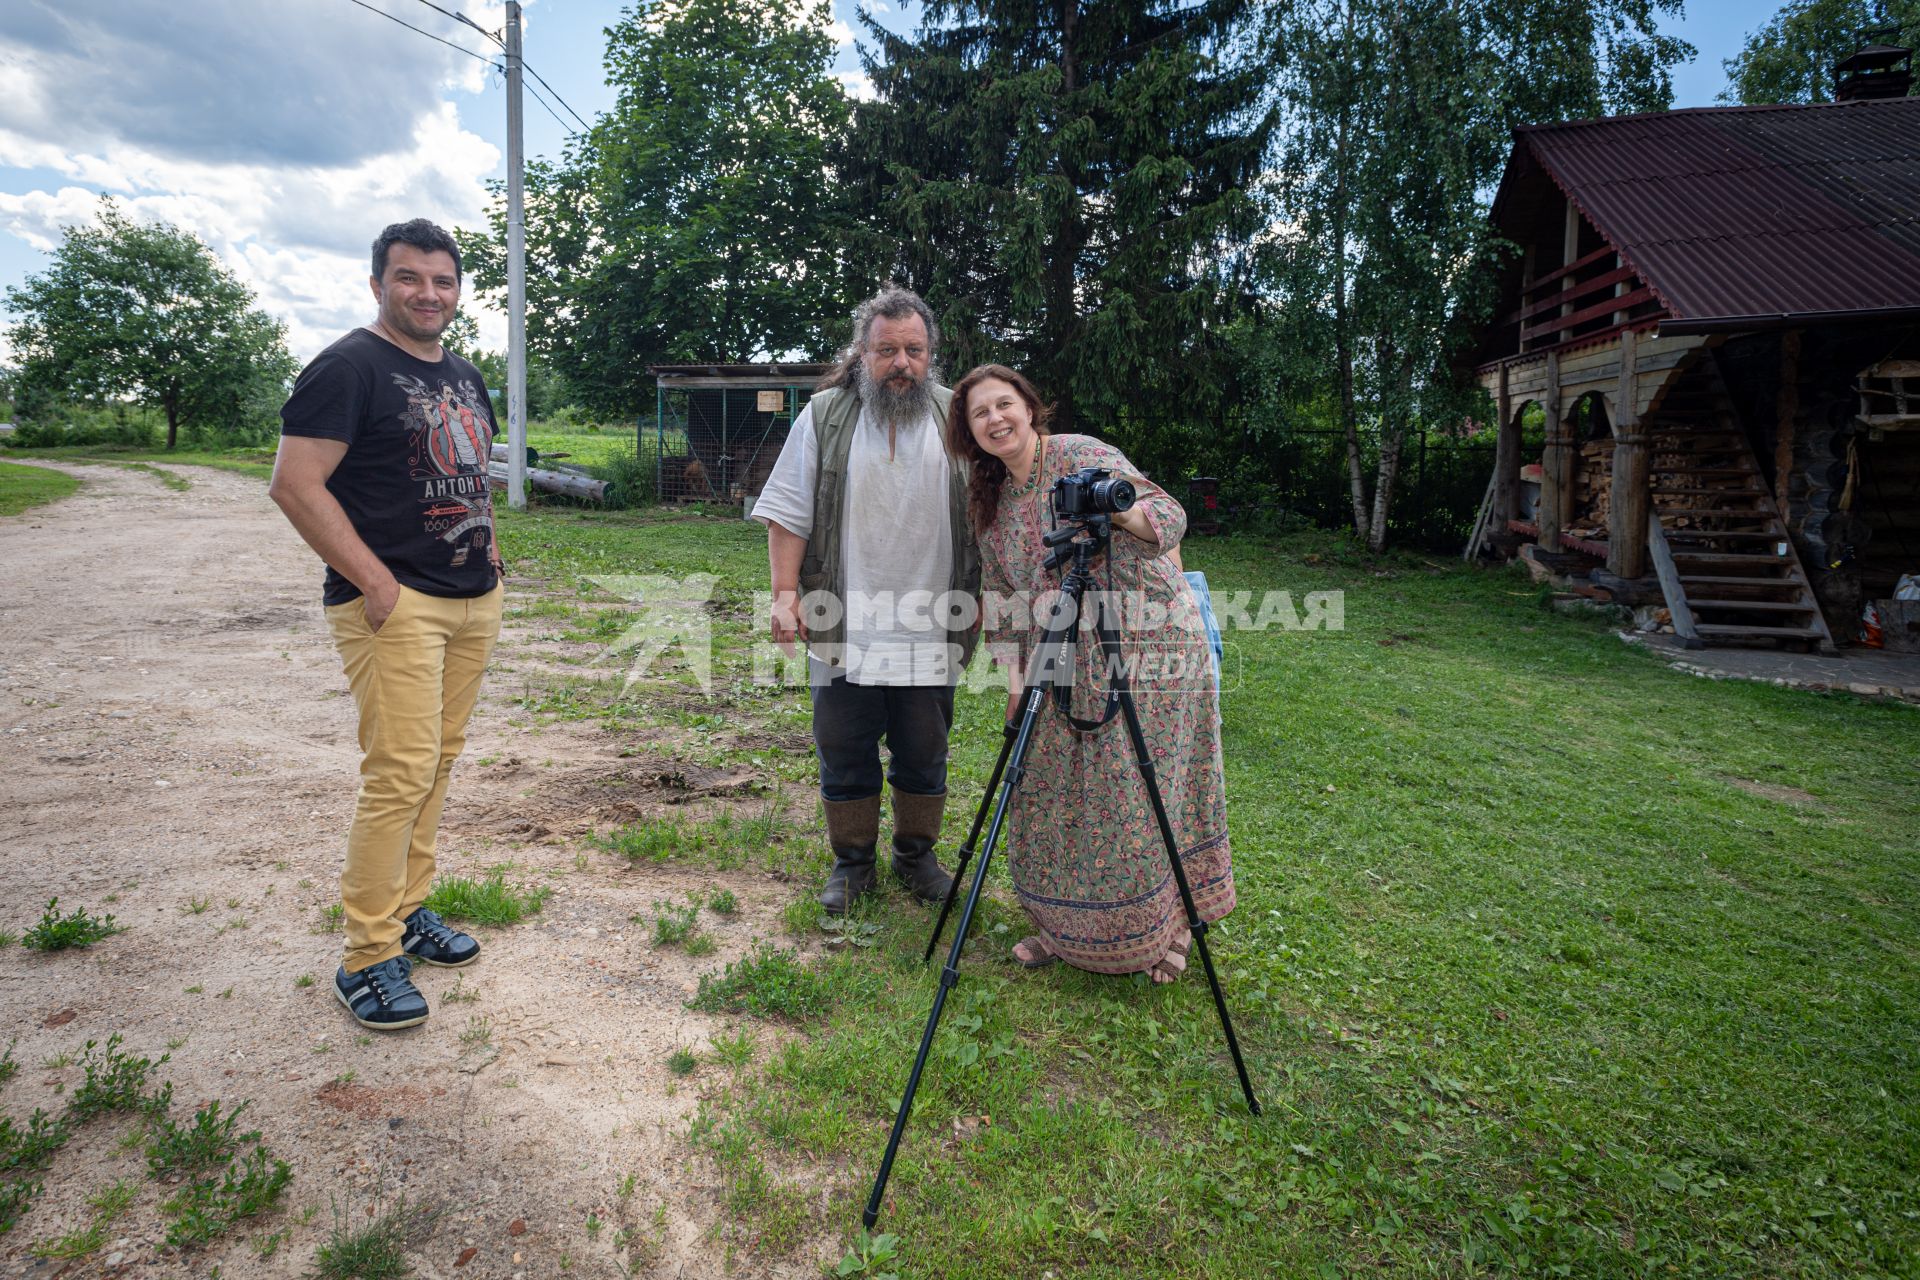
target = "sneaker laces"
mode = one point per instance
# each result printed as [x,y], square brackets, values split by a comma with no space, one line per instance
[429,925]
[385,978]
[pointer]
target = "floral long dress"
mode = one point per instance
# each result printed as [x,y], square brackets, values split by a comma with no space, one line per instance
[1083,848]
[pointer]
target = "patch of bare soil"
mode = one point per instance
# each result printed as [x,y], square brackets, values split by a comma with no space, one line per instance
[179,751]
[1775,791]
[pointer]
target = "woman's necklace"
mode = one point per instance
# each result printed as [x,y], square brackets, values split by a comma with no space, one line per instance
[1033,476]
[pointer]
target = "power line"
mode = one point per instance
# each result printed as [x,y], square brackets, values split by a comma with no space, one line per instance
[463,18]
[543,102]
[556,95]
[429,35]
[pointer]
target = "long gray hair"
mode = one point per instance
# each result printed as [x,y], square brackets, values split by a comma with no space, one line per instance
[895,303]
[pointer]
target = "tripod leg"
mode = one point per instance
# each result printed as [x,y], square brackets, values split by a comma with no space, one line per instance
[973,839]
[1014,758]
[1110,646]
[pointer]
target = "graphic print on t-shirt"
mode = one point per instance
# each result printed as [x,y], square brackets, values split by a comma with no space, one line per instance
[451,438]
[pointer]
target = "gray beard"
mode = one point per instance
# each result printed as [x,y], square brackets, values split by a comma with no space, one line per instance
[895,407]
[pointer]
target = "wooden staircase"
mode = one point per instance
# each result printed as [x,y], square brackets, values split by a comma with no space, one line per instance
[1725,561]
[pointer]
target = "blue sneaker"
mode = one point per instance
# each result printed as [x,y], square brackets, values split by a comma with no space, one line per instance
[382,996]
[431,940]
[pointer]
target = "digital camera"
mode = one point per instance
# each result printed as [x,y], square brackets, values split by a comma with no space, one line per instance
[1089,492]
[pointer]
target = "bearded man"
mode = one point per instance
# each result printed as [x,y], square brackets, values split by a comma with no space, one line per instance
[867,516]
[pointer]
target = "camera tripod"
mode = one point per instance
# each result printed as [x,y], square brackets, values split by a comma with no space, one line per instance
[1052,671]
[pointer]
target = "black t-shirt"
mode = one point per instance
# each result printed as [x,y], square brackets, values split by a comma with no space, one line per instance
[414,481]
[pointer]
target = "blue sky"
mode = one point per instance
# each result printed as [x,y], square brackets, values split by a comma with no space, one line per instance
[286,132]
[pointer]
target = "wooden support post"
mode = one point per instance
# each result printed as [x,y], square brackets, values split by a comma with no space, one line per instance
[1788,408]
[1554,498]
[1528,270]
[1631,500]
[1506,460]
[1570,252]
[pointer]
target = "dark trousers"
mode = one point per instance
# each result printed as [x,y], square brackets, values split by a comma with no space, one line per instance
[849,721]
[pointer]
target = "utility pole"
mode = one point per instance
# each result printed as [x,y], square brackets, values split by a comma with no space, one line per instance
[516,275]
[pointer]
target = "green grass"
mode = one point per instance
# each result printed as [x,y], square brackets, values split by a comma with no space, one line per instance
[769,982]
[673,925]
[1547,960]
[22,488]
[486,901]
[374,1251]
[249,461]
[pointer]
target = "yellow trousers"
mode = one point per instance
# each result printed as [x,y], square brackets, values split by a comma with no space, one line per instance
[415,682]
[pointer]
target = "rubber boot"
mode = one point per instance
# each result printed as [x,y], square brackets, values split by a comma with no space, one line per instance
[916,825]
[853,830]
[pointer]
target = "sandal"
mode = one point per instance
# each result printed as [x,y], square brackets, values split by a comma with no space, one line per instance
[1174,963]
[1033,953]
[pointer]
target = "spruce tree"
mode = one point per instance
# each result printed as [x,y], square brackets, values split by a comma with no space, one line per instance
[1068,184]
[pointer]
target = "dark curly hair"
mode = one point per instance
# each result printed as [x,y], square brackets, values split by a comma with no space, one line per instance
[423,235]
[989,473]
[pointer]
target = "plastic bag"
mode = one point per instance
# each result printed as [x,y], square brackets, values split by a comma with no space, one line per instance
[1870,633]
[1908,588]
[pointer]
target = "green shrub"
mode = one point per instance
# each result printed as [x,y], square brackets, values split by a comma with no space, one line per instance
[56,932]
[115,1082]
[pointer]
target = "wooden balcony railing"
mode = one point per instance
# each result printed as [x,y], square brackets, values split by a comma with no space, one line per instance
[1587,298]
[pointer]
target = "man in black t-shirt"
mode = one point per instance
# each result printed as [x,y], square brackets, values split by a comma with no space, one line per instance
[382,468]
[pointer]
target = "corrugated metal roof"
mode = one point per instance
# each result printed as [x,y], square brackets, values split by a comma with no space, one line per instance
[1753,211]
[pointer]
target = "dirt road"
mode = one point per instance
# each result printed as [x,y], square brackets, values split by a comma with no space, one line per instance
[178,751]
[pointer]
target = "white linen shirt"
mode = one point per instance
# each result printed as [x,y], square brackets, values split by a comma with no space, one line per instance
[895,540]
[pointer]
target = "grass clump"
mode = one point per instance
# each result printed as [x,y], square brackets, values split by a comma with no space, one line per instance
[107,1204]
[767,982]
[376,1251]
[681,1062]
[654,840]
[115,1081]
[673,925]
[723,903]
[56,932]
[246,1186]
[192,1148]
[8,1067]
[488,901]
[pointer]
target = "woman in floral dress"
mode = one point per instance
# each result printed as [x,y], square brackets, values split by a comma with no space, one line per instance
[1083,847]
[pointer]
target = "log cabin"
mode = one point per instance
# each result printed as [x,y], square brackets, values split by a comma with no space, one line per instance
[1715,313]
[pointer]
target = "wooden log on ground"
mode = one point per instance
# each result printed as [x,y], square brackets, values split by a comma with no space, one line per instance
[1629,591]
[556,482]
[501,454]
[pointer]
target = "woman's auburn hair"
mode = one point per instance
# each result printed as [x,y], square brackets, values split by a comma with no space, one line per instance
[989,474]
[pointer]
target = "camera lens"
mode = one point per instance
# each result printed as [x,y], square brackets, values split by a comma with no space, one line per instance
[1114,495]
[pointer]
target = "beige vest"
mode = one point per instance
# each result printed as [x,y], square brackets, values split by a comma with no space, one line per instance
[835,412]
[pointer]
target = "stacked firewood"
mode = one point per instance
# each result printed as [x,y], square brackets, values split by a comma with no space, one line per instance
[1592,489]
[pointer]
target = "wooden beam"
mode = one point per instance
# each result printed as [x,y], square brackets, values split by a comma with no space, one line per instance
[1614,278]
[1570,245]
[1625,302]
[1553,462]
[1577,265]
[1506,459]
[1786,410]
[1631,501]
[1670,584]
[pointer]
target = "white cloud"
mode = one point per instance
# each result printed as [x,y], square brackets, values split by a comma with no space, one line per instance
[298,236]
[856,84]
[840,33]
[284,134]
